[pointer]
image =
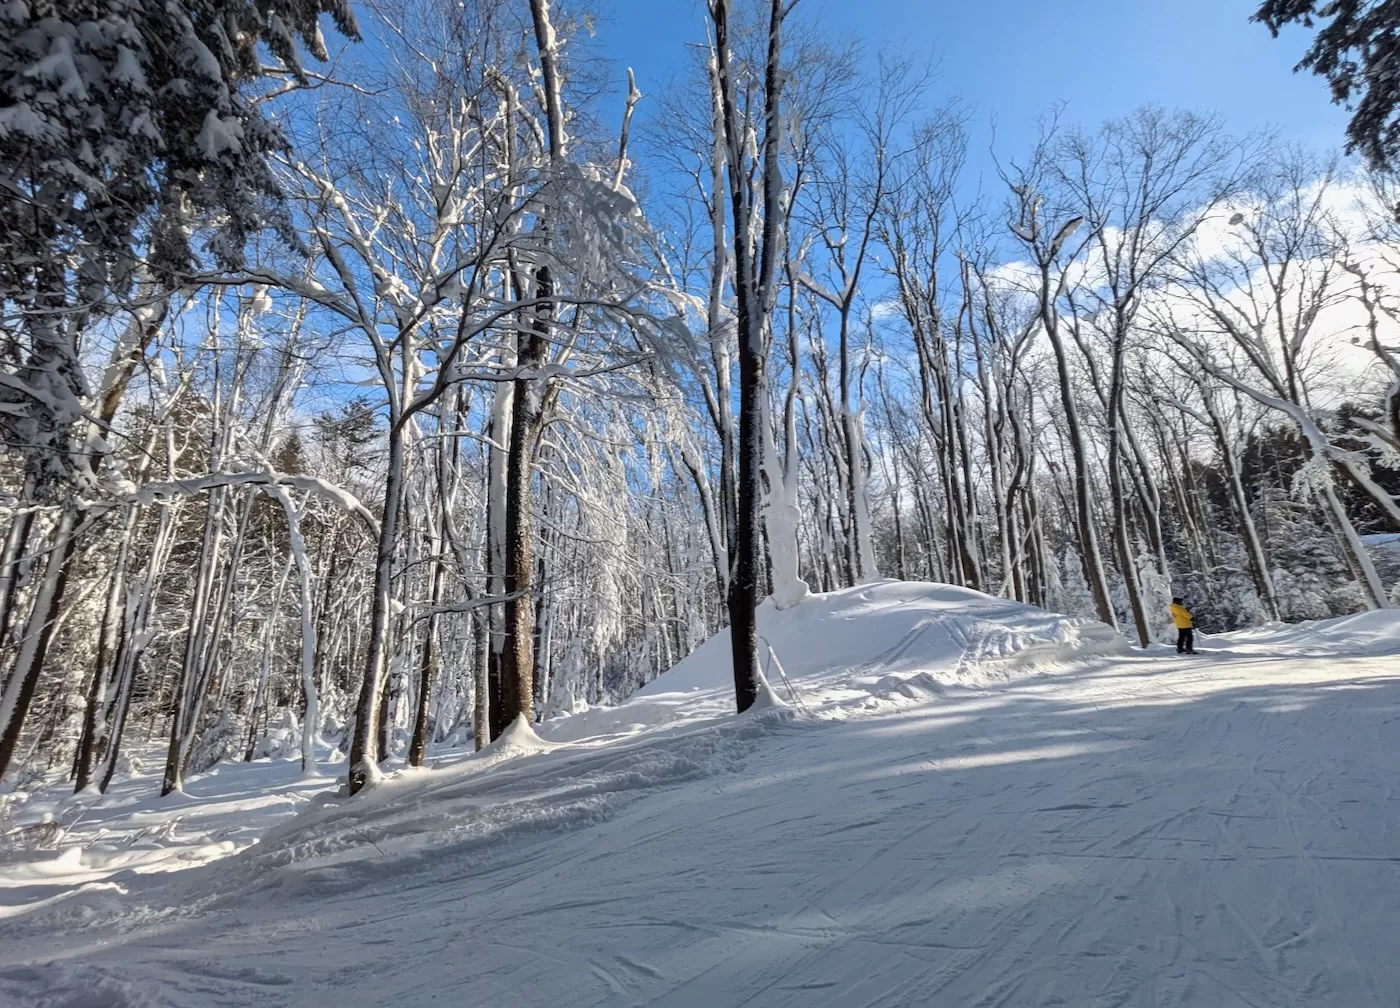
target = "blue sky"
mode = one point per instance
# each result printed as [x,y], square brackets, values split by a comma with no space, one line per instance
[1011,60]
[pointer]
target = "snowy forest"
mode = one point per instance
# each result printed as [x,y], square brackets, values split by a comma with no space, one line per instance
[380,378]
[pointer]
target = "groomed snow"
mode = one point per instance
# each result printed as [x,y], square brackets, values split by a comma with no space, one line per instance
[966,802]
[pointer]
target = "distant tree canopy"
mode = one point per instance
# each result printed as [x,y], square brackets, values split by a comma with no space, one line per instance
[1357,50]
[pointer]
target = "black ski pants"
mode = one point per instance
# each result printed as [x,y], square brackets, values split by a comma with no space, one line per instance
[1185,640]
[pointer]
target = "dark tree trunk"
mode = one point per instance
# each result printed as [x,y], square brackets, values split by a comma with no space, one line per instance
[34,650]
[517,695]
[418,747]
[752,282]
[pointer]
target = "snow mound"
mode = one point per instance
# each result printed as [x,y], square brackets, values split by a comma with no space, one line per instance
[902,626]
[845,647]
[1360,635]
[519,739]
[920,686]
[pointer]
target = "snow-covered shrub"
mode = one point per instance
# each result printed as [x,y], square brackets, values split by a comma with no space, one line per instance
[129,764]
[1071,594]
[1233,605]
[281,740]
[1302,595]
[219,741]
[1348,597]
[32,836]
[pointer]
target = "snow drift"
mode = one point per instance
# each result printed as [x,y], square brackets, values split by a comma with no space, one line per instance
[875,642]
[1360,635]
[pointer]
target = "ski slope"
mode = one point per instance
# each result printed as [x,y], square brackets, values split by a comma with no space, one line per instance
[961,801]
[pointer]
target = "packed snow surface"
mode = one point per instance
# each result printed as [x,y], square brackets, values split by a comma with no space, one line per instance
[962,801]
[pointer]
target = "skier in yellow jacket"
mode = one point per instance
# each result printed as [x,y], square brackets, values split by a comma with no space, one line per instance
[1185,628]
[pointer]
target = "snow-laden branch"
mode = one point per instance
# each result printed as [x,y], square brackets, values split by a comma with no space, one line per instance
[466,606]
[1315,436]
[153,493]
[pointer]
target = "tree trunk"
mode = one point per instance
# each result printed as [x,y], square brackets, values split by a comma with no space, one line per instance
[311,715]
[364,744]
[1254,548]
[103,665]
[418,747]
[517,697]
[38,634]
[1118,493]
[751,282]
[1090,555]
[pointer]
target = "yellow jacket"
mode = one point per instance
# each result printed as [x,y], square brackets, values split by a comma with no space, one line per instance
[1181,616]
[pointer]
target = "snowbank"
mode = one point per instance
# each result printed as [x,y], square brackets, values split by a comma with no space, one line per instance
[903,626]
[1360,635]
[859,645]
[54,838]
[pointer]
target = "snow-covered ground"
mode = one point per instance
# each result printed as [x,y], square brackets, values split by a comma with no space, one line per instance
[966,802]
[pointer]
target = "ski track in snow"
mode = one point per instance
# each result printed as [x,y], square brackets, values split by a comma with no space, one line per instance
[943,826]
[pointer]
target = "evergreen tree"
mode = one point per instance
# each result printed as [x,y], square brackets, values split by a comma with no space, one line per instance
[1355,49]
[125,126]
